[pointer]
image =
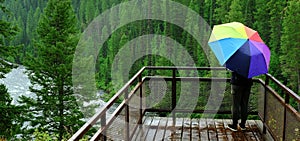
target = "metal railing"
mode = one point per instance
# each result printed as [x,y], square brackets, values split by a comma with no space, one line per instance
[134,92]
[278,114]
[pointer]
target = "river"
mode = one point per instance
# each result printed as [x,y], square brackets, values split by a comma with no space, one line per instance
[18,83]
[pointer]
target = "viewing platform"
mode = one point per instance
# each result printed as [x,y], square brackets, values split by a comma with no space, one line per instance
[182,103]
[187,129]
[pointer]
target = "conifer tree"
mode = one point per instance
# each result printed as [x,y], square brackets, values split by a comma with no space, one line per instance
[104,5]
[7,32]
[8,112]
[249,12]
[54,109]
[235,13]
[82,17]
[276,15]
[222,9]
[290,45]
[90,10]
[262,26]
[5,101]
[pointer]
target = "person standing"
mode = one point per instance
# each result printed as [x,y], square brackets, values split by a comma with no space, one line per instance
[240,90]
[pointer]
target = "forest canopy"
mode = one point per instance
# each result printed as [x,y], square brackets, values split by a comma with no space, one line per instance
[29,22]
[274,20]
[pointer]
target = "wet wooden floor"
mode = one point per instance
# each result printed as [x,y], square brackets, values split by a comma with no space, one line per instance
[161,128]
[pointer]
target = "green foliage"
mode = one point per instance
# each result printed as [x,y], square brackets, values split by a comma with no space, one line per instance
[49,63]
[45,136]
[262,26]
[7,32]
[236,12]
[275,23]
[8,114]
[221,11]
[51,70]
[290,45]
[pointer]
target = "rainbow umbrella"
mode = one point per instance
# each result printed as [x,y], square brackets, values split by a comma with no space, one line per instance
[240,49]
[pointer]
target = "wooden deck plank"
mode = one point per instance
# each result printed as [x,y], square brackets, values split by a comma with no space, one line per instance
[255,129]
[212,133]
[144,129]
[236,136]
[169,129]
[195,130]
[161,130]
[239,135]
[174,133]
[203,129]
[177,135]
[152,129]
[221,133]
[186,132]
[138,130]
[227,131]
[249,133]
[267,136]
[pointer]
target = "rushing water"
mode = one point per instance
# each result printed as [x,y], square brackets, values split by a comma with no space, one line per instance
[17,83]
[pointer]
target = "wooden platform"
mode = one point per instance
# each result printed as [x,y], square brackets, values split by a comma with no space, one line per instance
[160,128]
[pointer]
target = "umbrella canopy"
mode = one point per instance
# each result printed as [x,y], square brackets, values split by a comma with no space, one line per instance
[240,49]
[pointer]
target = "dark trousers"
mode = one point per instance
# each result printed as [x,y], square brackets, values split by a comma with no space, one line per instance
[240,99]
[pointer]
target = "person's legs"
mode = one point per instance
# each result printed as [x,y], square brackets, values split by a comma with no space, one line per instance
[236,100]
[244,104]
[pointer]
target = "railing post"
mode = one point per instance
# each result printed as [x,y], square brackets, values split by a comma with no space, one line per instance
[286,102]
[103,124]
[141,101]
[126,116]
[265,103]
[173,95]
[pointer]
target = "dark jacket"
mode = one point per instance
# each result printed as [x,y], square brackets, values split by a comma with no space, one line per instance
[239,80]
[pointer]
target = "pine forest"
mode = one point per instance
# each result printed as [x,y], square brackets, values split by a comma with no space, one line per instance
[42,35]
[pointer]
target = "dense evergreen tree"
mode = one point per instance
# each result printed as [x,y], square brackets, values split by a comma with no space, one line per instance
[82,16]
[9,112]
[7,32]
[275,22]
[6,114]
[221,11]
[262,26]
[90,9]
[249,12]
[53,51]
[50,71]
[290,45]
[236,12]
[32,22]
[209,7]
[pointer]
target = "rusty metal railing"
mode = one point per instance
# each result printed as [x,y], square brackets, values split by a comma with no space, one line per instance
[279,116]
[134,91]
[105,123]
